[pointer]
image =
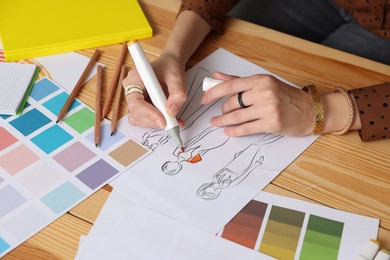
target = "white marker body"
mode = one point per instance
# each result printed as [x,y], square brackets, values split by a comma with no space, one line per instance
[208,83]
[368,251]
[151,83]
[382,255]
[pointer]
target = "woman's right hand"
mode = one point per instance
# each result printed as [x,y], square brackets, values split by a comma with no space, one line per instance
[170,73]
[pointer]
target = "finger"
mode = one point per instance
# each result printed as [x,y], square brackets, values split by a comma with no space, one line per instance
[181,122]
[232,103]
[142,113]
[249,128]
[177,97]
[132,78]
[238,116]
[223,76]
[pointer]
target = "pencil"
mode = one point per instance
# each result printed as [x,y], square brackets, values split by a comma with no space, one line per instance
[97,105]
[114,80]
[118,99]
[78,86]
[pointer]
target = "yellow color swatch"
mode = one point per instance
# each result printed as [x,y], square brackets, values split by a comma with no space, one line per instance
[43,27]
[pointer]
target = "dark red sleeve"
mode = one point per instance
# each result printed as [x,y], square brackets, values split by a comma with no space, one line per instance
[373,105]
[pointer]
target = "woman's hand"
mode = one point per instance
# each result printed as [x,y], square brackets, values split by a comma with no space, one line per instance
[170,73]
[272,106]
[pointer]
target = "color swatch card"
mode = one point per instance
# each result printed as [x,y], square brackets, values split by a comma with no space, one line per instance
[47,168]
[16,82]
[39,28]
[287,228]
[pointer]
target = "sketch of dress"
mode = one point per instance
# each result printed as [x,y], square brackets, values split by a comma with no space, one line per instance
[242,164]
[154,138]
[190,112]
[208,139]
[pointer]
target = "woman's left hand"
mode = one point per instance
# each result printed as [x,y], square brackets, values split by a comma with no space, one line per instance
[267,105]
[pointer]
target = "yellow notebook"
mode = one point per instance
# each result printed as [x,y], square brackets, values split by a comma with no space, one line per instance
[43,27]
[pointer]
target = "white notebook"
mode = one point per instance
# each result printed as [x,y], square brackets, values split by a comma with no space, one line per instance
[16,81]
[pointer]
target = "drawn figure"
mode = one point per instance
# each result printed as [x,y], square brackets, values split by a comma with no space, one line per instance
[237,169]
[154,138]
[190,112]
[196,148]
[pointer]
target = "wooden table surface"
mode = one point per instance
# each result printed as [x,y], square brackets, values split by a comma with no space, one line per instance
[340,172]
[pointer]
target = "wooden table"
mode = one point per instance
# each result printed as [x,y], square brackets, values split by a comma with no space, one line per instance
[340,172]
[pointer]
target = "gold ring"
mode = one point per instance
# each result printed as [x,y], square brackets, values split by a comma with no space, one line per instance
[133,89]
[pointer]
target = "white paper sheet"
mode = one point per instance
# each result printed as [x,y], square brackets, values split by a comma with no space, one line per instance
[137,233]
[206,193]
[125,230]
[66,68]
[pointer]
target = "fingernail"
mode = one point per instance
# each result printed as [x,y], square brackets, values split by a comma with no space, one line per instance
[159,124]
[213,121]
[173,110]
[203,100]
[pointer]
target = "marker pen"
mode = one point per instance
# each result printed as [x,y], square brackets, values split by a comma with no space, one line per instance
[154,89]
[369,251]
[382,255]
[209,83]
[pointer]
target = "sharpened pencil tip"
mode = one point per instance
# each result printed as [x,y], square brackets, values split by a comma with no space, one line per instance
[112,133]
[97,145]
[57,121]
[182,149]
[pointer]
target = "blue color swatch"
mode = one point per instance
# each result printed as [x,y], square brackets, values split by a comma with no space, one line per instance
[63,197]
[30,121]
[10,199]
[56,103]
[52,138]
[106,139]
[5,116]
[43,88]
[3,245]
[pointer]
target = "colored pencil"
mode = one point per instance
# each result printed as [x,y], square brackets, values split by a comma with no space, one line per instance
[114,80]
[78,86]
[98,97]
[118,99]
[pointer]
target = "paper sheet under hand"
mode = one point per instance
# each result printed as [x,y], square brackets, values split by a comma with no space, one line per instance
[216,176]
[125,231]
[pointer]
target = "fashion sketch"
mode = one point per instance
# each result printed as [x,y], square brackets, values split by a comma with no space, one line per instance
[190,112]
[242,164]
[208,139]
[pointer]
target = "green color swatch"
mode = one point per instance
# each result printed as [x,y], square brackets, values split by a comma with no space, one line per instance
[322,239]
[82,120]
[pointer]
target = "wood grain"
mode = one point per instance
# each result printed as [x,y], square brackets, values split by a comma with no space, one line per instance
[339,172]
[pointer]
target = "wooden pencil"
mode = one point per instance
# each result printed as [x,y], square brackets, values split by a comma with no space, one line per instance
[114,80]
[98,111]
[78,85]
[118,99]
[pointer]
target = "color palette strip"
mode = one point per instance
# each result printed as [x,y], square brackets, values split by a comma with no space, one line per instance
[305,232]
[244,228]
[322,239]
[282,233]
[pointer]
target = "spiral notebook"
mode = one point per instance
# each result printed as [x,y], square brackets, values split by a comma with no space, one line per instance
[16,82]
